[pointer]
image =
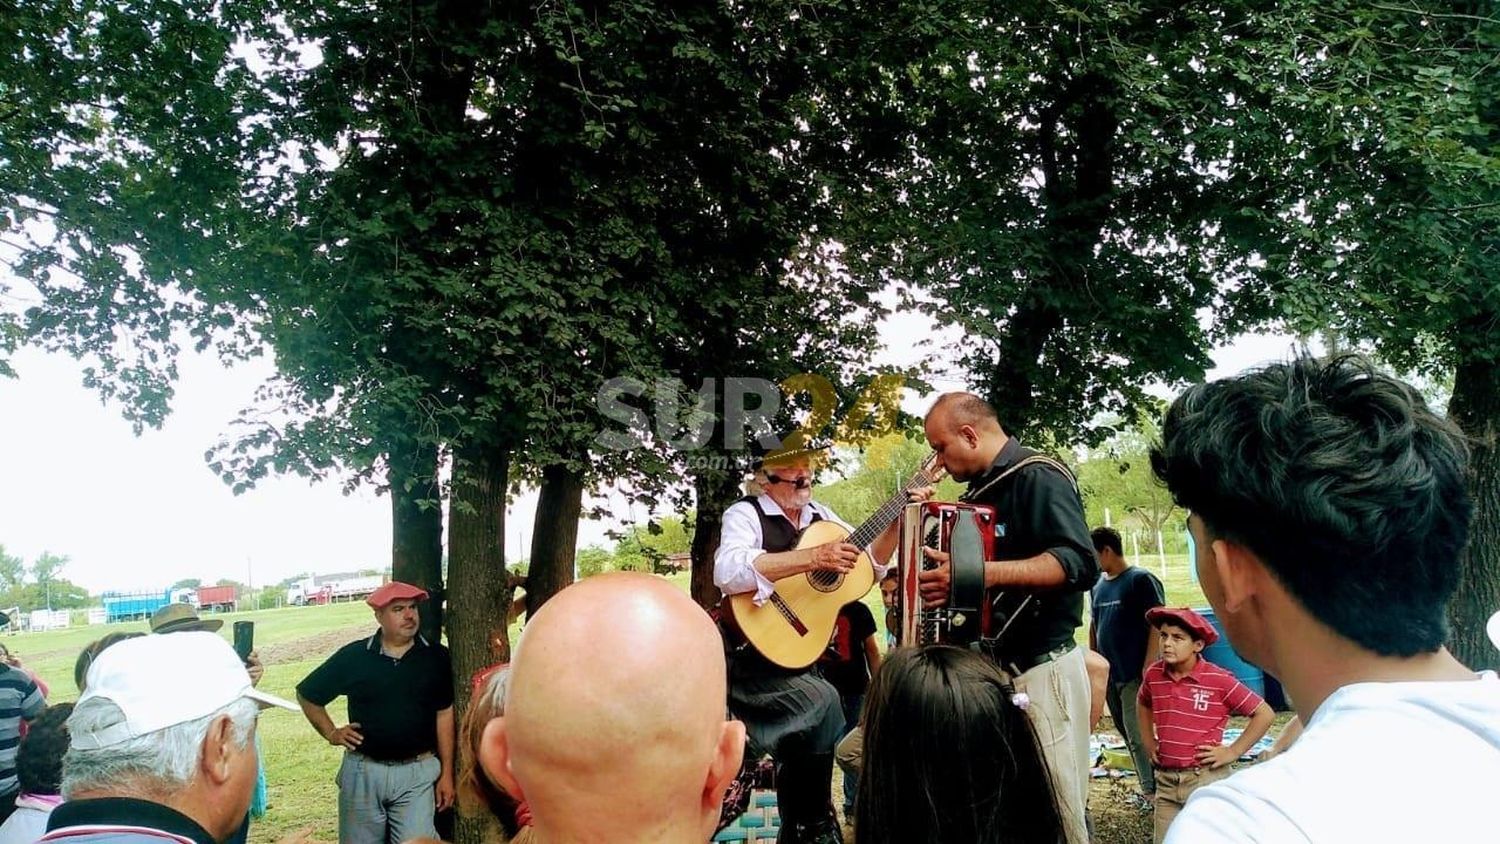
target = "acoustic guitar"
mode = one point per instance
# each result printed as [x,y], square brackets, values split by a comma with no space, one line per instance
[794,626]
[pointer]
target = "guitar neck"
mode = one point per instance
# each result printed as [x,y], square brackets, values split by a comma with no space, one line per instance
[887,514]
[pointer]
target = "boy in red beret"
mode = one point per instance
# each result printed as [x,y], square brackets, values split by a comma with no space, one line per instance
[1184,703]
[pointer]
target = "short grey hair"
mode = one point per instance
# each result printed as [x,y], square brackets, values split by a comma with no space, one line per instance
[161,762]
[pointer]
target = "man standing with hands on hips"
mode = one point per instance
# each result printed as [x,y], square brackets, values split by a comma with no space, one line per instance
[1044,562]
[398,768]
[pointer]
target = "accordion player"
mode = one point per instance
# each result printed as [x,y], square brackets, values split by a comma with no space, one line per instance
[967,533]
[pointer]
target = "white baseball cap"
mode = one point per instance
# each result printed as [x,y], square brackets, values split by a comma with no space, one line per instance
[162,681]
[1493,628]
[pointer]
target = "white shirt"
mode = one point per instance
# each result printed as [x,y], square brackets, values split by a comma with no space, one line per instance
[740,542]
[1378,762]
[26,824]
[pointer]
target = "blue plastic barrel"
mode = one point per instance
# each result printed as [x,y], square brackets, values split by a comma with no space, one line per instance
[1222,655]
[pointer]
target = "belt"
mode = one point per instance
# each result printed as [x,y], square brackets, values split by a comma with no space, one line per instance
[1195,769]
[1016,666]
[418,758]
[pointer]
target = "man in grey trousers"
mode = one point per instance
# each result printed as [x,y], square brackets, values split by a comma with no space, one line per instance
[398,768]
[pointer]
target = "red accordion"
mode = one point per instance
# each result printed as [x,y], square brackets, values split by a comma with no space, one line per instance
[967,533]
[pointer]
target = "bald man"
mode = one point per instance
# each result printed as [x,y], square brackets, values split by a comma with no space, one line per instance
[1044,563]
[620,736]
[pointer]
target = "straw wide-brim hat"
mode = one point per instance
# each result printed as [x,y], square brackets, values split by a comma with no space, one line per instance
[794,448]
[175,618]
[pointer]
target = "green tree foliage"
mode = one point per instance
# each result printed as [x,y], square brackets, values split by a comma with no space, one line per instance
[45,568]
[592,560]
[269,597]
[44,588]
[12,569]
[1062,201]
[123,137]
[860,480]
[1117,476]
[644,547]
[59,594]
[449,221]
[1088,179]
[1378,214]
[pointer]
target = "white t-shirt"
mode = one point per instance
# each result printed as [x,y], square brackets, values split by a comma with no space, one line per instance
[1407,763]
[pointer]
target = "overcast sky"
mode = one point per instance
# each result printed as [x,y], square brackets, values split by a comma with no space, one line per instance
[141,512]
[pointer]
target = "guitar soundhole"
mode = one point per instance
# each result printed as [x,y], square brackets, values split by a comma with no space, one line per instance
[825,581]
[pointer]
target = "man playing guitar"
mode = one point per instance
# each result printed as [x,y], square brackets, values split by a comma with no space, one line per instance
[793,714]
[1045,563]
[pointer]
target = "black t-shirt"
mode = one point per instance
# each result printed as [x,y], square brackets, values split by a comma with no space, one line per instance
[1120,629]
[1037,510]
[843,663]
[394,701]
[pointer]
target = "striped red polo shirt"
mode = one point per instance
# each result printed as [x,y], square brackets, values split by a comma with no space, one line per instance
[1192,710]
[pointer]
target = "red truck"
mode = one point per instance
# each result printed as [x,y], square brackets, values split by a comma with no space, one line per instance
[221,598]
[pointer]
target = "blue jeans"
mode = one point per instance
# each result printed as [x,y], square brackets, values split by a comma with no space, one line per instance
[853,705]
[382,802]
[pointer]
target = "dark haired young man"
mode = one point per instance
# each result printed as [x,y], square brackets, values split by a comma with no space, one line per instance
[1119,631]
[1329,509]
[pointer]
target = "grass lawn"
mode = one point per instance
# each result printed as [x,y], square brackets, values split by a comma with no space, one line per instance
[301,766]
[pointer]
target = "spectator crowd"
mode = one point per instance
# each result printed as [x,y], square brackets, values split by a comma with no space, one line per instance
[1328,511]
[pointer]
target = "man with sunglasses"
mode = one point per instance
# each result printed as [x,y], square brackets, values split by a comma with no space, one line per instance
[795,715]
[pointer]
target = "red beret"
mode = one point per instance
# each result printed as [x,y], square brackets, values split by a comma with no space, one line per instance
[1195,624]
[395,591]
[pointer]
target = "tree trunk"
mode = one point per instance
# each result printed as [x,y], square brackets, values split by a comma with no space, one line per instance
[479,591]
[476,564]
[1012,380]
[554,538]
[1475,407]
[417,528]
[714,489]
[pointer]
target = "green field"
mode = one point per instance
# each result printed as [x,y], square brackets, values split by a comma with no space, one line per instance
[301,766]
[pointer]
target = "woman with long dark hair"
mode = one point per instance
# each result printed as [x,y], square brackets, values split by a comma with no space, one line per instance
[950,756]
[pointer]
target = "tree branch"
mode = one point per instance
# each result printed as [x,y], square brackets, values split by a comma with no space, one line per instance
[1427,14]
[1459,209]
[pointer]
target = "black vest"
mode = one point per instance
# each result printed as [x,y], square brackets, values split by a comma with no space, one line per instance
[777,533]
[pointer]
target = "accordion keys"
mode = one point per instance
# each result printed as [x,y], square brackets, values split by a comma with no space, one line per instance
[966,532]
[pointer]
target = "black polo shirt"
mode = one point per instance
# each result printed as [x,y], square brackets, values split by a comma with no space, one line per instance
[395,702]
[1037,510]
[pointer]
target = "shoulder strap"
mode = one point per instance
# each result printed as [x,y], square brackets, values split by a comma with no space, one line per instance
[1033,460]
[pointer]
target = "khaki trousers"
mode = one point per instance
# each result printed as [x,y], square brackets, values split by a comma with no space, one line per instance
[1173,788]
[1059,711]
[850,752]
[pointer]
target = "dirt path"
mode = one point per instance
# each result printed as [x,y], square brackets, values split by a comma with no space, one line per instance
[318,647]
